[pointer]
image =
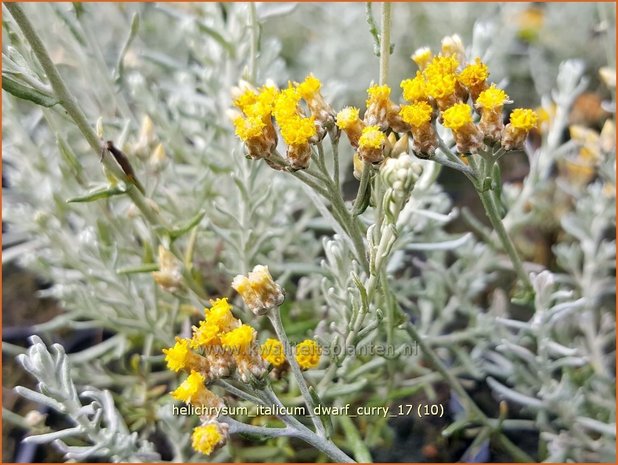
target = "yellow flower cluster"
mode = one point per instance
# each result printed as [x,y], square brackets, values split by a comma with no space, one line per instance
[457,117]
[444,84]
[221,346]
[418,114]
[208,437]
[273,352]
[254,126]
[308,354]
[445,89]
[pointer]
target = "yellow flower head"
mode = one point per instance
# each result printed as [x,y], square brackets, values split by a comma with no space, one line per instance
[347,117]
[263,105]
[268,95]
[422,57]
[297,130]
[286,105]
[440,86]
[220,314]
[475,74]
[378,95]
[309,87]
[247,98]
[272,351]
[457,116]
[206,334]
[238,339]
[308,354]
[524,119]
[441,66]
[415,89]
[249,128]
[371,138]
[207,438]
[492,98]
[418,114]
[190,387]
[176,356]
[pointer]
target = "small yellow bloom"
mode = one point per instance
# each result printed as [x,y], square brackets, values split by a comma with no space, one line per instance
[239,339]
[309,87]
[347,117]
[524,119]
[286,105]
[474,75]
[514,134]
[297,130]
[372,138]
[249,128]
[189,387]
[422,57]
[457,116]
[418,114]
[176,356]
[308,354]
[206,334]
[220,314]
[415,89]
[371,144]
[490,103]
[247,97]
[267,96]
[441,86]
[378,95]
[492,98]
[272,351]
[207,438]
[441,66]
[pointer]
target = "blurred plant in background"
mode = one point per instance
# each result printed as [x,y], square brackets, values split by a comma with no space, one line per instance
[520,355]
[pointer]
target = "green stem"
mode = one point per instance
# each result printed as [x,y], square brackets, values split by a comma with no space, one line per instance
[335,149]
[491,208]
[69,103]
[362,187]
[253,27]
[385,42]
[275,318]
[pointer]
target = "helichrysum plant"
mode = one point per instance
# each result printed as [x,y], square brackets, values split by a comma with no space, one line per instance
[254,307]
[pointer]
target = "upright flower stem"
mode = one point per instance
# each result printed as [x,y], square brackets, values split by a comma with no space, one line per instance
[275,318]
[69,103]
[385,41]
[491,208]
[253,25]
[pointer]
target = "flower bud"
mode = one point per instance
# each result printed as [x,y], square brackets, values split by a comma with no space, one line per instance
[168,277]
[258,290]
[400,175]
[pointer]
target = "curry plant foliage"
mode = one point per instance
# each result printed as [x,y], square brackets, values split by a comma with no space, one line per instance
[260,244]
